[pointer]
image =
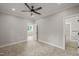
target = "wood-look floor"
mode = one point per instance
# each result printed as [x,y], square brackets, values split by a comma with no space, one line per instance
[36,48]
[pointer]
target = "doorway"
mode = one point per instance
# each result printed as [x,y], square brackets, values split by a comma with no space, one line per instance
[67,32]
[31,32]
[71,30]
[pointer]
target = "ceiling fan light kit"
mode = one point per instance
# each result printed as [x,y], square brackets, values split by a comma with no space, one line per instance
[32,10]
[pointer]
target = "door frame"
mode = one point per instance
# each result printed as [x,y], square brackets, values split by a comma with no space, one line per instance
[64,18]
[70,31]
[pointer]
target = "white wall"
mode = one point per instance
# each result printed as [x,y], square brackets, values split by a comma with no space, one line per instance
[51,28]
[12,29]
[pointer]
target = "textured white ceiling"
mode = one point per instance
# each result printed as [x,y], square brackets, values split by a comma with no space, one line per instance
[47,9]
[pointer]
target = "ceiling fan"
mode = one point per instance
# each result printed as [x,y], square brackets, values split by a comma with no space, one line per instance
[32,9]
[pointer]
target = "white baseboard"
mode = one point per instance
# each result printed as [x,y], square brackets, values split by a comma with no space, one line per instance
[10,44]
[13,43]
[51,44]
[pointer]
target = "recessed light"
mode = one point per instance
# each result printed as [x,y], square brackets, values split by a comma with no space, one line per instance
[13,9]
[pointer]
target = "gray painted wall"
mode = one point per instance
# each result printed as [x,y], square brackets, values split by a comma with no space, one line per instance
[12,29]
[51,28]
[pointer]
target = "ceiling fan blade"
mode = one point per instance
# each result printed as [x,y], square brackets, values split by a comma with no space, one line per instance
[27,5]
[36,12]
[25,11]
[38,8]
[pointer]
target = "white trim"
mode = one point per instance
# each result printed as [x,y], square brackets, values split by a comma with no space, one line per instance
[13,43]
[51,44]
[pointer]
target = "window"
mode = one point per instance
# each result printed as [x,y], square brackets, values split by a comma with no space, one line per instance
[30,28]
